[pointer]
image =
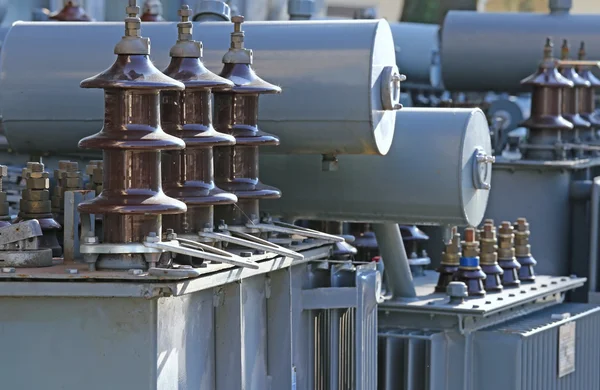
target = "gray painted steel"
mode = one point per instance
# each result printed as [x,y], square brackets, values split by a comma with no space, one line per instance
[521,354]
[427,177]
[495,51]
[417,52]
[248,334]
[542,196]
[330,73]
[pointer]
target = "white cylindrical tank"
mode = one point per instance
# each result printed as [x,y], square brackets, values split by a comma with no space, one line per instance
[434,173]
[339,81]
[417,52]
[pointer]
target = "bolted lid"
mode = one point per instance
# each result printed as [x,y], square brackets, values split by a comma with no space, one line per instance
[547,74]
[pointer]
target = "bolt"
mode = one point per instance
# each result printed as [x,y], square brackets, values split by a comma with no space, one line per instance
[246,254]
[36,167]
[8,270]
[185,12]
[135,272]
[72,271]
[457,291]
[90,239]
[489,221]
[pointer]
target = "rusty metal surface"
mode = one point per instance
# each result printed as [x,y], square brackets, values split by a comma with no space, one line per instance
[236,113]
[71,12]
[188,175]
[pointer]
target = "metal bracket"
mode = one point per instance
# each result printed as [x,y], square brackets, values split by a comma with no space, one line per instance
[203,251]
[250,241]
[288,228]
[72,219]
[481,169]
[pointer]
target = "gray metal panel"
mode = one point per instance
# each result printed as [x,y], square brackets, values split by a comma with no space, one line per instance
[74,344]
[427,177]
[495,51]
[331,100]
[416,45]
[185,356]
[523,354]
[541,195]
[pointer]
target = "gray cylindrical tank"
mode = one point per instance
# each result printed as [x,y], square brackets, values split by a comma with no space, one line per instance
[417,52]
[495,51]
[336,77]
[431,175]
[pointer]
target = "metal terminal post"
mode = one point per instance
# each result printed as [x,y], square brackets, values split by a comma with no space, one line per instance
[489,257]
[450,261]
[469,271]
[523,251]
[506,256]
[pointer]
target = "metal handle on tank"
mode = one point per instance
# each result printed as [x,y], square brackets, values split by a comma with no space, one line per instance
[481,169]
[390,88]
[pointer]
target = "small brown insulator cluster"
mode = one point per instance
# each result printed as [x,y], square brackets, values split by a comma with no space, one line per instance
[188,175]
[523,251]
[469,272]
[587,99]
[506,256]
[94,170]
[236,113]
[450,261]
[546,124]
[489,257]
[71,12]
[4,207]
[570,99]
[35,204]
[152,11]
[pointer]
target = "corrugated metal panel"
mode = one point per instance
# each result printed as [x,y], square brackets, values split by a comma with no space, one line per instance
[344,341]
[524,354]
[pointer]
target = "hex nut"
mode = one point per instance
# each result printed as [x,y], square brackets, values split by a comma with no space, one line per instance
[38,183]
[152,238]
[457,290]
[135,272]
[90,240]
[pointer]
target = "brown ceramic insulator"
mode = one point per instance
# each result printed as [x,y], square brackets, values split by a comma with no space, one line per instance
[236,167]
[132,200]
[152,11]
[587,96]
[4,207]
[71,12]
[570,99]
[35,204]
[450,262]
[523,251]
[188,175]
[489,258]
[506,256]
[546,124]
[469,271]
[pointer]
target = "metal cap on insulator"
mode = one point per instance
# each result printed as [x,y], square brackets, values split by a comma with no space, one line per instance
[185,46]
[71,12]
[587,98]
[237,54]
[547,74]
[212,10]
[132,42]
